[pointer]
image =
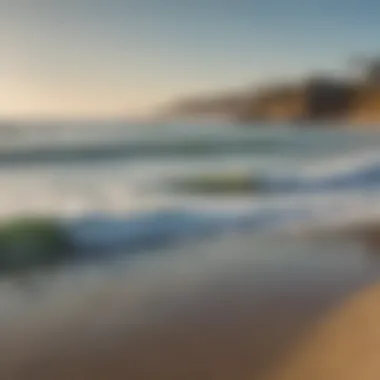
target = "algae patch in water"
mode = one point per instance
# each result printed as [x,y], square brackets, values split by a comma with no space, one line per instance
[28,243]
[218,184]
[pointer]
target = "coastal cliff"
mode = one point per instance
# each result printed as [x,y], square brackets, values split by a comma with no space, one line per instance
[316,99]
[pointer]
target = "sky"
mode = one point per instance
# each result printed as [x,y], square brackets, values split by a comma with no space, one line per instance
[115,58]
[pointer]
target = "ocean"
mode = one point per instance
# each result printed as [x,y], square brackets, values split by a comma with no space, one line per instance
[115,173]
[207,266]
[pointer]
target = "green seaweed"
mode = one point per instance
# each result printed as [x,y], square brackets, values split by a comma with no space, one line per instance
[32,243]
[218,184]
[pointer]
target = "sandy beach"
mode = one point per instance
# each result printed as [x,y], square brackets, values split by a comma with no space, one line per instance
[344,345]
[235,321]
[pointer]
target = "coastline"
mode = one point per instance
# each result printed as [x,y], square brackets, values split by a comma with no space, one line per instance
[343,346]
[174,318]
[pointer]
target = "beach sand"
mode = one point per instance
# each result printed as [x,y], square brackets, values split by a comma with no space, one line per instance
[345,345]
[237,322]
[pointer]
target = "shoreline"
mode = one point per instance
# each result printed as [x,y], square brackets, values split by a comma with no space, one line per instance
[343,346]
[208,316]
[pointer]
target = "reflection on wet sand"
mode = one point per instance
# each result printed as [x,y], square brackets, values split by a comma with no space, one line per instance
[228,309]
[367,233]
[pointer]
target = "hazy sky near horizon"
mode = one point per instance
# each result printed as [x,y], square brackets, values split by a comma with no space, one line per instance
[113,57]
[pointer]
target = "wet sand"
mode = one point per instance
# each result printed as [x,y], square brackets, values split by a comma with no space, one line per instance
[345,345]
[211,315]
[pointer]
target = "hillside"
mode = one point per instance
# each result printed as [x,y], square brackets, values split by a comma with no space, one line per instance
[315,99]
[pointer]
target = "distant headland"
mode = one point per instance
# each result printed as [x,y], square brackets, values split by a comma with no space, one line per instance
[318,98]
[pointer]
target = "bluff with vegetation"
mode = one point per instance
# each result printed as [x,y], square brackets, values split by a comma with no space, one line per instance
[314,99]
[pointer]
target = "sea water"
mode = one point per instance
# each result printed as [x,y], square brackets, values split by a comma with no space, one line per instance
[121,169]
[223,277]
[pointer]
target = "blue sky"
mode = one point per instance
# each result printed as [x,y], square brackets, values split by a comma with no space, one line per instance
[110,57]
